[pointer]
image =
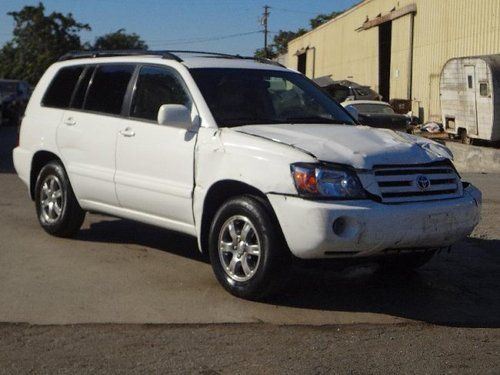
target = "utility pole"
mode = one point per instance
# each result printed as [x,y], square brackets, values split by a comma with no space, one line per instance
[265,18]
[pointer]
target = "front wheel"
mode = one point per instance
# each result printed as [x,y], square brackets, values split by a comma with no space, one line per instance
[247,253]
[57,209]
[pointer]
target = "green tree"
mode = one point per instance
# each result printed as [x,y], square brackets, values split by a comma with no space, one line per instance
[280,40]
[261,53]
[38,41]
[320,19]
[119,40]
[280,43]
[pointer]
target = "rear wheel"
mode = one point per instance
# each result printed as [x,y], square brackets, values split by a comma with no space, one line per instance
[247,254]
[57,209]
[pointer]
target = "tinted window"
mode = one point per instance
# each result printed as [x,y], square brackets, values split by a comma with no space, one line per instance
[108,88]
[81,89]
[59,93]
[483,89]
[155,87]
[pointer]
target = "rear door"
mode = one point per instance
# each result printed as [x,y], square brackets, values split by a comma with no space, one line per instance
[87,135]
[154,163]
[471,99]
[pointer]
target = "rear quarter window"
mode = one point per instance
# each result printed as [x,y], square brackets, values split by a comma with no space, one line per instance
[60,90]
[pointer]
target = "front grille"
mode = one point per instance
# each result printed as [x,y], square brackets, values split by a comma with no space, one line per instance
[399,184]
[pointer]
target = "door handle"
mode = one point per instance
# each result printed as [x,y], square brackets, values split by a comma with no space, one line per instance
[70,121]
[127,132]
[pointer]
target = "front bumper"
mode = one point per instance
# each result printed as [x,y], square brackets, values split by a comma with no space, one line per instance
[367,227]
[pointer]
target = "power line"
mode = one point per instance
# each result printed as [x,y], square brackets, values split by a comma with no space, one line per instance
[201,39]
[295,11]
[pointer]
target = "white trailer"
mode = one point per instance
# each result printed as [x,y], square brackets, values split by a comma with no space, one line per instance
[470,97]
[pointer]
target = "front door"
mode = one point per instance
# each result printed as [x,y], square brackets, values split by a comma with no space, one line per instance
[471,99]
[154,163]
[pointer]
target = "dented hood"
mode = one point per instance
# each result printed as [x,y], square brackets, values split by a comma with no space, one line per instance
[359,146]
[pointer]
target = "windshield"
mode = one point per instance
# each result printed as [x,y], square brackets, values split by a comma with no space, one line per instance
[252,96]
[7,88]
[369,108]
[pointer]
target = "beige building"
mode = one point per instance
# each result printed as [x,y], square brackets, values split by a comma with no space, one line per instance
[399,47]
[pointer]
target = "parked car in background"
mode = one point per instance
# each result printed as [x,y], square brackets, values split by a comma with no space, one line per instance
[346,90]
[14,95]
[378,114]
[251,158]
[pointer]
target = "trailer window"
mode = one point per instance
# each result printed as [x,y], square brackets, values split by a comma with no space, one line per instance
[483,89]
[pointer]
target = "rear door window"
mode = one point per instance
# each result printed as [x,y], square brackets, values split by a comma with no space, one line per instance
[61,88]
[81,90]
[108,87]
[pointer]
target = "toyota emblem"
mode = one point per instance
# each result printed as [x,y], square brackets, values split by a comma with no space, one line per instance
[423,182]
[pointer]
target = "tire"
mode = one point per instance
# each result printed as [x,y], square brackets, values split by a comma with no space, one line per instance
[464,138]
[57,209]
[253,261]
[405,262]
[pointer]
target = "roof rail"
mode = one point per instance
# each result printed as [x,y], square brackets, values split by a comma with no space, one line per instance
[262,60]
[166,54]
[229,56]
[111,53]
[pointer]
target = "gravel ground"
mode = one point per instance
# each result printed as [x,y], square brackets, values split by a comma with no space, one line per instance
[450,309]
[248,349]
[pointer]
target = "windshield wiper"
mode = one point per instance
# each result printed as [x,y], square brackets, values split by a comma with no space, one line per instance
[314,120]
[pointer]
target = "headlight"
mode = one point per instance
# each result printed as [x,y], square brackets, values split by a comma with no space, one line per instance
[314,180]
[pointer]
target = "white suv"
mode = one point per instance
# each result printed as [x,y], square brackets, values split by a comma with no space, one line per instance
[248,156]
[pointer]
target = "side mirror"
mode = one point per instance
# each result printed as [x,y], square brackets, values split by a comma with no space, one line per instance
[353,112]
[176,115]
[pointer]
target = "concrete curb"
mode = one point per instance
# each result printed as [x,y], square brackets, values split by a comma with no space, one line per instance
[475,159]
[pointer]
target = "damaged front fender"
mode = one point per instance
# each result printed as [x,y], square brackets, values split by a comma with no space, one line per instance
[227,155]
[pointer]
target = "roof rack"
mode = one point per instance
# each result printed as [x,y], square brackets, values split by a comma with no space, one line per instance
[165,54]
[111,53]
[229,56]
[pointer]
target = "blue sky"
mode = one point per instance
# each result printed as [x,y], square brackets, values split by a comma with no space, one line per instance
[181,24]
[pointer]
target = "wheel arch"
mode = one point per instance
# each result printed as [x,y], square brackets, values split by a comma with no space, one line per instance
[220,192]
[39,160]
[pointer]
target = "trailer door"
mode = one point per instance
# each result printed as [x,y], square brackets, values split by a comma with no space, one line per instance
[471,99]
